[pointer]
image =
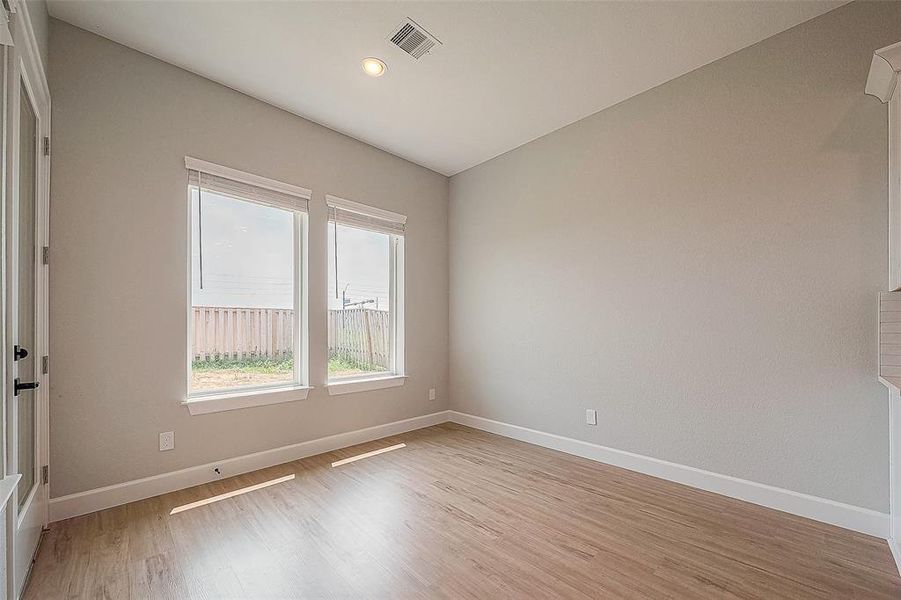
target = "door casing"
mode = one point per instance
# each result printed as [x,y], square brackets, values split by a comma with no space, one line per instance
[22,66]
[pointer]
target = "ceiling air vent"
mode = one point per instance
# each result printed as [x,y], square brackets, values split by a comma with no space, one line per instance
[413,39]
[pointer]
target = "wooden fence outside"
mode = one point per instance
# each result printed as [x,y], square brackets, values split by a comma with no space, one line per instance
[358,335]
[361,336]
[242,333]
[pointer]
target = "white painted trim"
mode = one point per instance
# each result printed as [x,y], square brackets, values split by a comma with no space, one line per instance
[883,75]
[337,387]
[89,501]
[24,71]
[195,164]
[855,518]
[7,487]
[33,56]
[397,319]
[398,305]
[882,82]
[302,298]
[202,405]
[365,209]
[896,552]
[892,383]
[894,418]
[894,190]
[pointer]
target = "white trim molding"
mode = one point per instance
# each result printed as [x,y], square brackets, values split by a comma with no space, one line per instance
[90,501]
[896,552]
[337,387]
[364,209]
[195,164]
[855,518]
[882,82]
[894,435]
[31,53]
[7,487]
[202,405]
[884,68]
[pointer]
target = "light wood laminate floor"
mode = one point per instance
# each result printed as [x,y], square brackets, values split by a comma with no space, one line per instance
[457,513]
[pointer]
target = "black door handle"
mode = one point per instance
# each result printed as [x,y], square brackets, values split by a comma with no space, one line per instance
[18,387]
[19,352]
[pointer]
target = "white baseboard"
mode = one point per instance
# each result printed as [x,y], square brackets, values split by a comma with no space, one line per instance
[895,547]
[851,517]
[90,501]
[820,509]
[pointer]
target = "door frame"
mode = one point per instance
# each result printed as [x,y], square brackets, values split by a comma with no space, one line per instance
[22,63]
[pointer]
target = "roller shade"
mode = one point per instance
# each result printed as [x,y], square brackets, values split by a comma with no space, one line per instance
[361,216]
[246,186]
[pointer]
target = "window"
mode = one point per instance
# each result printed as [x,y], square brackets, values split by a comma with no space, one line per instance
[365,295]
[246,311]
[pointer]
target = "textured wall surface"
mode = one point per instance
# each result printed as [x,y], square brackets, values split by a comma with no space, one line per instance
[700,263]
[123,123]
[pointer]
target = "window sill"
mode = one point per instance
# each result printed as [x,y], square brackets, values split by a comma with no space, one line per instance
[201,405]
[892,383]
[336,388]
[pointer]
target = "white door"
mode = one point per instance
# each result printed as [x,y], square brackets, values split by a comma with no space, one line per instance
[26,234]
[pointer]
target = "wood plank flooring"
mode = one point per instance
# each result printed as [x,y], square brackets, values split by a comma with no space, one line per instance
[457,513]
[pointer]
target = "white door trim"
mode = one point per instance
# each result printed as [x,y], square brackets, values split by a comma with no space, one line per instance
[23,63]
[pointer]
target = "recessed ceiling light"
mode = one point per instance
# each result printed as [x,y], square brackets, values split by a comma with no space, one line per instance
[373,67]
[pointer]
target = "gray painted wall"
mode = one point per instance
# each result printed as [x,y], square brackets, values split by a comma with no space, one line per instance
[700,263]
[122,125]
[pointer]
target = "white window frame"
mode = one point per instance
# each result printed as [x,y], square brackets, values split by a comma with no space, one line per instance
[245,397]
[882,82]
[396,273]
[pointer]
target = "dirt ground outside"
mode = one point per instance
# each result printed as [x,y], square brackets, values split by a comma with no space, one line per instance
[225,377]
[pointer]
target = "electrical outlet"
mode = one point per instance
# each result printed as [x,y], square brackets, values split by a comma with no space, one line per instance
[591,416]
[432,394]
[167,441]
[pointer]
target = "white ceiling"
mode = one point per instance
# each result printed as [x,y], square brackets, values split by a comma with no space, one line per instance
[507,72]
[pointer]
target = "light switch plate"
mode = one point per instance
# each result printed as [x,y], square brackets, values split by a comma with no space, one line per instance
[432,394]
[591,416]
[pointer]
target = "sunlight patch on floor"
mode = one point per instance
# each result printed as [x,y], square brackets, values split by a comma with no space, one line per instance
[344,461]
[232,494]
